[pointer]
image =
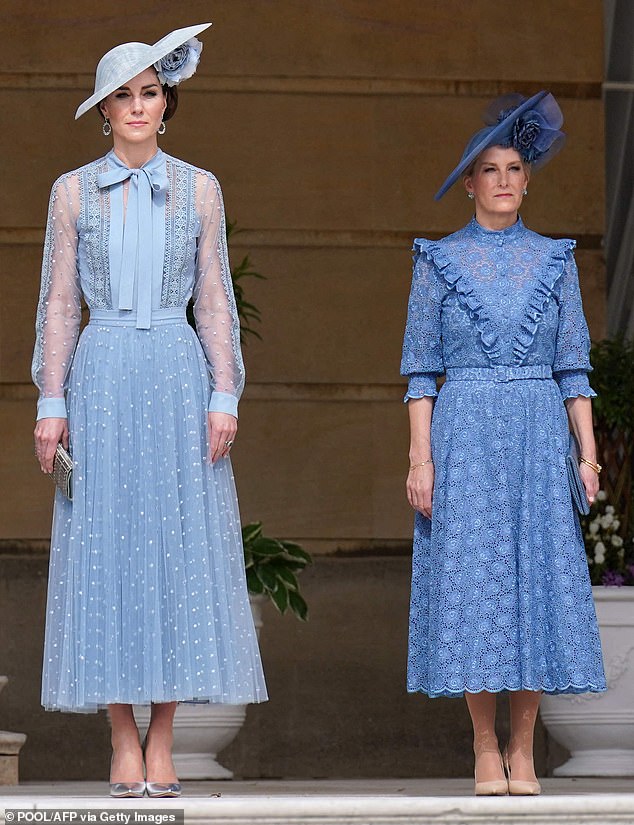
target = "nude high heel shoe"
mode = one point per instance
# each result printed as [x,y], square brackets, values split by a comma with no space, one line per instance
[520,787]
[490,787]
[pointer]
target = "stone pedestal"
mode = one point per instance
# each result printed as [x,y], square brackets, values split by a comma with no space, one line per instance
[10,744]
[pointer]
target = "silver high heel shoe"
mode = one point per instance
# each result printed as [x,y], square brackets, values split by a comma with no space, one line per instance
[120,790]
[160,789]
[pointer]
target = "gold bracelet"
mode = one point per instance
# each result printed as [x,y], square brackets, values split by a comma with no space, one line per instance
[421,464]
[596,467]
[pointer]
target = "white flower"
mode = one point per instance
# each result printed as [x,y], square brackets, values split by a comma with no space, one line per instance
[616,541]
[609,508]
[601,495]
[599,552]
[594,527]
[616,524]
[607,520]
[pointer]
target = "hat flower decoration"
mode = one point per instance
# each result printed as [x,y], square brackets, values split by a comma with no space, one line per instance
[531,126]
[179,64]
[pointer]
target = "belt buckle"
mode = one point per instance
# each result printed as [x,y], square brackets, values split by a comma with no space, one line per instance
[501,374]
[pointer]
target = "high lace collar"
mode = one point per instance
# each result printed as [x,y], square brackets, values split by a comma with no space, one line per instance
[495,235]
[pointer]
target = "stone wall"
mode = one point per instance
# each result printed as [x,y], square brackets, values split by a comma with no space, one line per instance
[330,125]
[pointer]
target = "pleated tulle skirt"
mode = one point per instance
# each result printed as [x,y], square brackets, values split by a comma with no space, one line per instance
[501,597]
[147,598]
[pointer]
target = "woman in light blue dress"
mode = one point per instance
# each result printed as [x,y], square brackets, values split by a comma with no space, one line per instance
[147,598]
[501,598]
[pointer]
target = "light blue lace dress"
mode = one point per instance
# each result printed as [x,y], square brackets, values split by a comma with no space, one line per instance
[147,598]
[501,598]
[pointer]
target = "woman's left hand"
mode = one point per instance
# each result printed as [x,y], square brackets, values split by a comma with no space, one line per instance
[590,481]
[222,432]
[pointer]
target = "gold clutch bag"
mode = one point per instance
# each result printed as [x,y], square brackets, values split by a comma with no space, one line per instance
[63,471]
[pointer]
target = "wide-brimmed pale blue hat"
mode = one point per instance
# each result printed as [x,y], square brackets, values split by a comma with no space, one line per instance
[126,61]
[531,126]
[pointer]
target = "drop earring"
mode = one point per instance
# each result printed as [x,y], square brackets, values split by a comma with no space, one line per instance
[525,192]
[162,128]
[470,195]
[106,128]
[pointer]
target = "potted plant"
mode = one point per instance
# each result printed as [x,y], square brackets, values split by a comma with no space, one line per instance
[272,566]
[598,728]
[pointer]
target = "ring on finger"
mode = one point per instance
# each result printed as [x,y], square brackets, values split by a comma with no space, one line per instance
[228,444]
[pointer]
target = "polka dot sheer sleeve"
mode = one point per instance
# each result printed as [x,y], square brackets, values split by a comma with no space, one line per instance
[59,308]
[215,309]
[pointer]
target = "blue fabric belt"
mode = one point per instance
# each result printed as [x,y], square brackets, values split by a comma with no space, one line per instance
[116,318]
[499,374]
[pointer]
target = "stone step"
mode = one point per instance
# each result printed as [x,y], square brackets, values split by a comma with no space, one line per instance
[342,802]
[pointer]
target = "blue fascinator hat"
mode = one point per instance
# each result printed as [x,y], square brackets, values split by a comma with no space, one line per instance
[531,126]
[175,58]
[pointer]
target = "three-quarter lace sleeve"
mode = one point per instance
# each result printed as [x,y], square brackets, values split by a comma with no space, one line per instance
[215,310]
[59,308]
[572,355]
[422,359]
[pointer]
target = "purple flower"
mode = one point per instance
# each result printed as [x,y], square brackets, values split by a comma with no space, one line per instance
[612,579]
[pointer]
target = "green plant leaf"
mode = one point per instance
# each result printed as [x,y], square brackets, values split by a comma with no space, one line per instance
[283,573]
[264,546]
[250,532]
[297,552]
[279,598]
[254,585]
[298,605]
[267,576]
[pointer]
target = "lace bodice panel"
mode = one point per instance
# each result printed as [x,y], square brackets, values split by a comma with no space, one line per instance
[81,242]
[481,298]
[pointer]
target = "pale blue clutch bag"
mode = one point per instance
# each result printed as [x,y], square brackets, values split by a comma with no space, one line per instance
[578,491]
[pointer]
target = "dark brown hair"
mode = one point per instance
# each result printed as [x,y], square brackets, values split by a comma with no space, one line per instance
[171,98]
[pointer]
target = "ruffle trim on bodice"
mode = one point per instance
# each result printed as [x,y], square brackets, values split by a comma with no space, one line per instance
[541,297]
[460,283]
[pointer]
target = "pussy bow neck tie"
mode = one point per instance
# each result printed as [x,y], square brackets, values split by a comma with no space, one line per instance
[137,257]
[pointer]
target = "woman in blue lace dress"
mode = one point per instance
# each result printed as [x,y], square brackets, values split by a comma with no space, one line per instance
[147,599]
[501,598]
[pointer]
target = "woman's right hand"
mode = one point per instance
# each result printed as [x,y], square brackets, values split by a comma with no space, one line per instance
[420,488]
[48,433]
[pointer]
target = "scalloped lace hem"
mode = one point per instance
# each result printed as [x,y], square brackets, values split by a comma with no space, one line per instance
[580,394]
[570,687]
[409,397]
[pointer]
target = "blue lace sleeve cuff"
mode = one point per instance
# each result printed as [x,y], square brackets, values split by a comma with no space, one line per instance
[51,408]
[573,383]
[420,385]
[223,402]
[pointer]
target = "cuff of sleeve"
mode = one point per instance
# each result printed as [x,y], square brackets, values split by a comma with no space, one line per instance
[421,385]
[223,402]
[573,383]
[51,408]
